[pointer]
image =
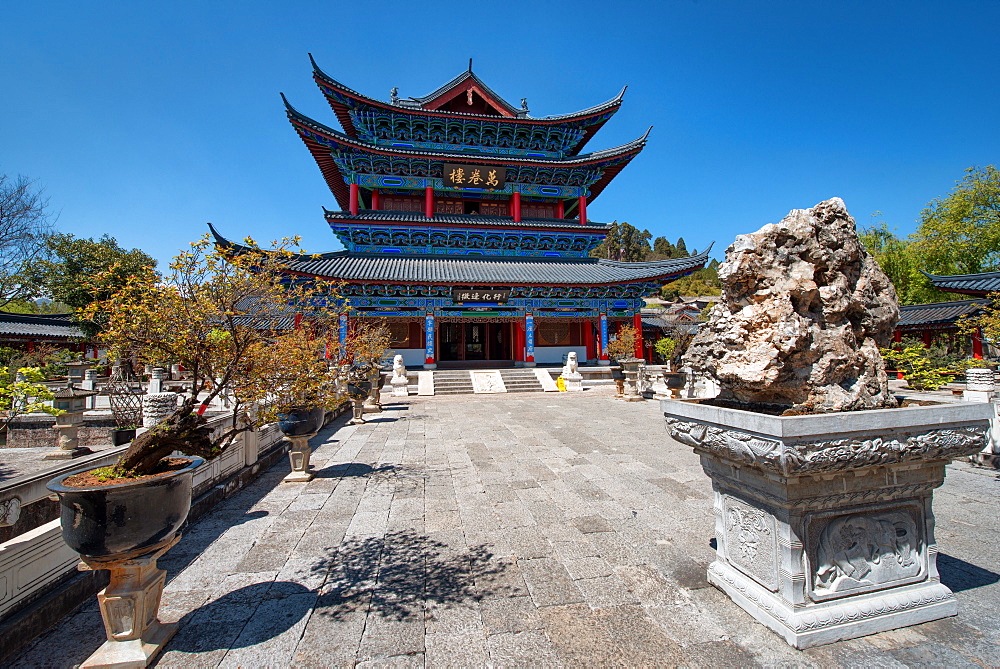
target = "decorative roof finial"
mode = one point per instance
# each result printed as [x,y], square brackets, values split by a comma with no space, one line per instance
[394,95]
[470,65]
[524,104]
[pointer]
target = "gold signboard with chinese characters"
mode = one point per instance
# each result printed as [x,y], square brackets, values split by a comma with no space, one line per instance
[480,295]
[484,177]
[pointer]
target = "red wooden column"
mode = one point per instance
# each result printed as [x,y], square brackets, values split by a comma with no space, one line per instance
[637,324]
[560,209]
[354,199]
[588,339]
[515,205]
[927,337]
[977,344]
[429,202]
[518,341]
[897,336]
[583,210]
[376,200]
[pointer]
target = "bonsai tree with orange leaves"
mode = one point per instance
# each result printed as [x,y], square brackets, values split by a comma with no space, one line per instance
[239,325]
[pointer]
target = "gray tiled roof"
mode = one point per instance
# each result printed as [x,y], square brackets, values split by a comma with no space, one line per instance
[969,284]
[937,313]
[465,219]
[35,325]
[491,270]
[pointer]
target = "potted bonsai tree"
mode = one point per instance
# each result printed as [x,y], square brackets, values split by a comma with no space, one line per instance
[234,321]
[367,345]
[23,392]
[622,351]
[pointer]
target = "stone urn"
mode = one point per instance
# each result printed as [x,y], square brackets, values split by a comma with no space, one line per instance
[125,528]
[358,390]
[299,425]
[675,382]
[823,523]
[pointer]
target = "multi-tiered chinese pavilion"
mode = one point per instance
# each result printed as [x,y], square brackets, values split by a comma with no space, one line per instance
[465,224]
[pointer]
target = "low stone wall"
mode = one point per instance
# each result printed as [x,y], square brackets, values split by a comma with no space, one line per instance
[38,432]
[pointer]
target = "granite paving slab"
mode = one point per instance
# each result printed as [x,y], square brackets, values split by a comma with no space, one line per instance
[563,529]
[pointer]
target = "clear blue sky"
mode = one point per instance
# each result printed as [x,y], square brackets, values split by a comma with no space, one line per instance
[146,120]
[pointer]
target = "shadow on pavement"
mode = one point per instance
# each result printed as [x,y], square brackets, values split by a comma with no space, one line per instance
[960,575]
[242,618]
[397,575]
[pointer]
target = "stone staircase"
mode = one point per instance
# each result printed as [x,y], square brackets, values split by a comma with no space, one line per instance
[452,382]
[519,380]
[458,381]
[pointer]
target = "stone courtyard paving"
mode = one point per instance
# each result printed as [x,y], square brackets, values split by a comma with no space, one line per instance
[511,530]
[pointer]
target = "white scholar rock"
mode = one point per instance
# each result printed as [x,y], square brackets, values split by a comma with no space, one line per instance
[804,310]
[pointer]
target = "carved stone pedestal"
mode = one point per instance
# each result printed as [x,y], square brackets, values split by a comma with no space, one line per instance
[630,387]
[574,382]
[823,523]
[299,455]
[357,412]
[128,607]
[399,386]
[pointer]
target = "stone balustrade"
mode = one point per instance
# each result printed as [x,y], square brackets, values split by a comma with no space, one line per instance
[34,559]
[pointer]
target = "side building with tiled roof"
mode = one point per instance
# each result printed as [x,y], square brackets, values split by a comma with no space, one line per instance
[26,331]
[464,220]
[939,319]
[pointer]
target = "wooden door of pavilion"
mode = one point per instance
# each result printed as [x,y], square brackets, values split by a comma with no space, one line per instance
[465,341]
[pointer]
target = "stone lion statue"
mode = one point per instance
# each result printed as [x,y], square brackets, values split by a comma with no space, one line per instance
[398,368]
[572,364]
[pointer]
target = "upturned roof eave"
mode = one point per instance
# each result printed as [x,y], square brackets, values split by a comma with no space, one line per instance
[611,104]
[660,269]
[634,146]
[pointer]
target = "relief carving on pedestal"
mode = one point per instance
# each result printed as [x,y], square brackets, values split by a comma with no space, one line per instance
[867,551]
[750,541]
[831,455]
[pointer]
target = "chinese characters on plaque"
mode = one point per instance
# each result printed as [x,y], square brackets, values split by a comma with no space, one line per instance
[489,295]
[474,176]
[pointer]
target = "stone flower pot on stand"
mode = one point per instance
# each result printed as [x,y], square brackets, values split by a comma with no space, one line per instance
[375,380]
[124,528]
[630,370]
[823,523]
[675,382]
[358,392]
[299,425]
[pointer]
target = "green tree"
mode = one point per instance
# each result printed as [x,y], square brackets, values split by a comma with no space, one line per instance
[901,261]
[960,233]
[663,249]
[23,392]
[69,276]
[703,282]
[624,243]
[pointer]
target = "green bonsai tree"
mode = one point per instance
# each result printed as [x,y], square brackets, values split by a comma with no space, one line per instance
[23,392]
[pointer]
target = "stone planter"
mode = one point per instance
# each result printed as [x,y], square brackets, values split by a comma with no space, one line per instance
[299,425]
[125,528]
[630,369]
[823,523]
[120,437]
[675,382]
